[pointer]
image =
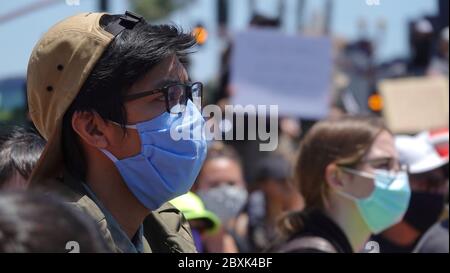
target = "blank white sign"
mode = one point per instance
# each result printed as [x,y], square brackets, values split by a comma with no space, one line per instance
[293,72]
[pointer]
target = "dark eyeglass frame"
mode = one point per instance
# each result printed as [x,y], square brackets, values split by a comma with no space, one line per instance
[165,91]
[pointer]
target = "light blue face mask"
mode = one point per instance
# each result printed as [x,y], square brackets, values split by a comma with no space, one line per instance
[388,202]
[173,148]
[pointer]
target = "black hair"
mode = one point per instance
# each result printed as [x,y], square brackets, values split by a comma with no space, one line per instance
[132,54]
[19,152]
[274,167]
[36,223]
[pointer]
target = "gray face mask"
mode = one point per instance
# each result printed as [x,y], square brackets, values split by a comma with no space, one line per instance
[225,201]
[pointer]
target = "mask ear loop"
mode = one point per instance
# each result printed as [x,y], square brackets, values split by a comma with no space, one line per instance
[108,153]
[354,172]
[358,173]
[126,126]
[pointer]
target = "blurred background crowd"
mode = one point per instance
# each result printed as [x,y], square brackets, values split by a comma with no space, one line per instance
[382,60]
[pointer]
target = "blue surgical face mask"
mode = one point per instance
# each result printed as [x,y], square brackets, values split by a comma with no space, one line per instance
[388,202]
[173,148]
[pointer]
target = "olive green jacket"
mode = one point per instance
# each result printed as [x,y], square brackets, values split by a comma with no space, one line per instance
[164,230]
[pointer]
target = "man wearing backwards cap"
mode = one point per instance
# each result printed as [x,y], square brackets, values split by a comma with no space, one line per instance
[428,173]
[106,92]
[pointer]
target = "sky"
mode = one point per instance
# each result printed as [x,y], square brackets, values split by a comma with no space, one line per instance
[18,36]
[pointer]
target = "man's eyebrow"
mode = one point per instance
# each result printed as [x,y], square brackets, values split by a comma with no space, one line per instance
[164,82]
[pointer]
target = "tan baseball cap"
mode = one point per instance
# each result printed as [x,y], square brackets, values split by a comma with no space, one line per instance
[58,67]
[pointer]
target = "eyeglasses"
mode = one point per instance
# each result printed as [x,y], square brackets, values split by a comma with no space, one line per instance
[370,175]
[176,96]
[386,163]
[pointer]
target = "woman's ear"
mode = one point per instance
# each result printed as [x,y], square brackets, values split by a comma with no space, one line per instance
[90,127]
[333,176]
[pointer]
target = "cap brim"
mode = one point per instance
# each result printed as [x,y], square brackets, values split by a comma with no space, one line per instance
[50,164]
[427,164]
[211,218]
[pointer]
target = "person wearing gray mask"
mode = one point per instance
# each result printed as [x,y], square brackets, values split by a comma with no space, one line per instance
[222,188]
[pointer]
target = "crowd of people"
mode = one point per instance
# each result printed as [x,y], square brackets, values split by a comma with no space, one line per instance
[103,172]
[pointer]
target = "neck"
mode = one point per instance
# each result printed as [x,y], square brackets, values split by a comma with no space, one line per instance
[345,214]
[106,182]
[401,234]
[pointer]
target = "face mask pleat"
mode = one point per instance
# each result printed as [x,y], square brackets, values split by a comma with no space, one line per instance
[161,122]
[140,184]
[167,153]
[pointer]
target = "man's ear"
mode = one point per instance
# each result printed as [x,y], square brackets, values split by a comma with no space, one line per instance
[333,176]
[90,127]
